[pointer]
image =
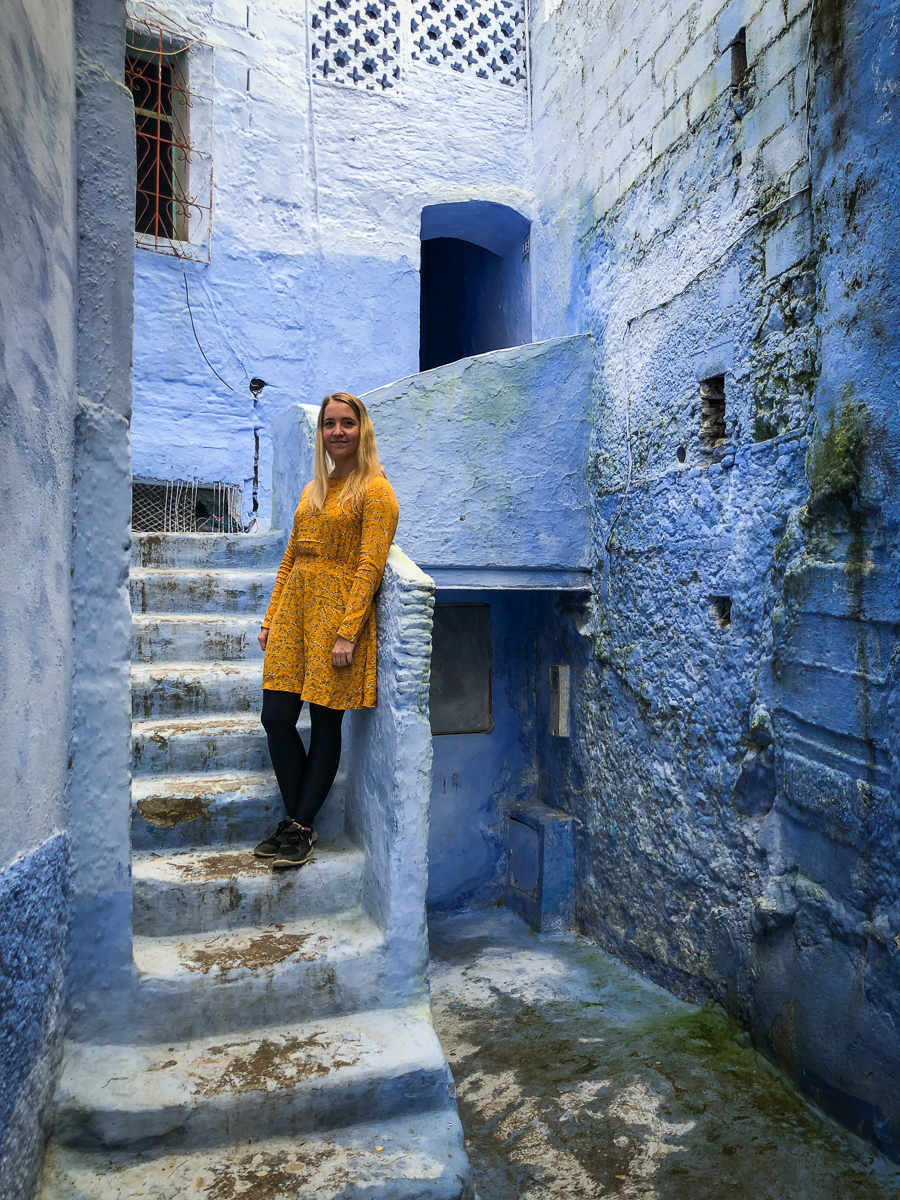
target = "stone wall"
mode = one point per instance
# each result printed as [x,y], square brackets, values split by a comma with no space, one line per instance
[37,383]
[734,777]
[319,186]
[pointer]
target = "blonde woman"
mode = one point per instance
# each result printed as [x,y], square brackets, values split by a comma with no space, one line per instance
[319,631]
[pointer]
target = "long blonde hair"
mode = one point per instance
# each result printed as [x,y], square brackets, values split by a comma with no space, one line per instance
[367,463]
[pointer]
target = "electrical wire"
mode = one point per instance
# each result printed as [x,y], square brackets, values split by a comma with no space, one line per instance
[187,296]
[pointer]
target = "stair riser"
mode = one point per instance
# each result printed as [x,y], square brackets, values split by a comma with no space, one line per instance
[171,824]
[186,753]
[198,551]
[200,640]
[202,592]
[194,1005]
[163,909]
[233,1118]
[176,696]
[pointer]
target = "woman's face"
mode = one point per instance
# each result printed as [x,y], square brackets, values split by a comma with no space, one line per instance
[340,432]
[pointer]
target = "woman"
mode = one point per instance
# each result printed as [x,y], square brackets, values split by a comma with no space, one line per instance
[319,631]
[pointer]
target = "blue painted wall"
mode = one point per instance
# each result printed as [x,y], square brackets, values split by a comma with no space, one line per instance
[312,282]
[37,412]
[736,779]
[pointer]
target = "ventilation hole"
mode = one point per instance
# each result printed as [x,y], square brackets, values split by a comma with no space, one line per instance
[681,454]
[739,58]
[721,610]
[713,430]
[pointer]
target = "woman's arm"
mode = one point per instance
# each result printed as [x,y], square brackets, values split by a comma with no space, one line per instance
[379,524]
[287,565]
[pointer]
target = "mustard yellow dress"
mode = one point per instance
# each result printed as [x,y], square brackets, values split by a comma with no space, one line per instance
[329,574]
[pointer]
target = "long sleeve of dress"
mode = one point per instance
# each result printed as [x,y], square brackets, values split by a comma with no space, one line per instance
[287,565]
[379,524]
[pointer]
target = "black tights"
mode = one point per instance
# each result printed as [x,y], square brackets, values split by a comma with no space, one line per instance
[304,778]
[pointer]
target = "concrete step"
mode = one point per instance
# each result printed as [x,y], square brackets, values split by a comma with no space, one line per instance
[183,590]
[178,745]
[199,551]
[284,1081]
[182,689]
[411,1157]
[208,890]
[169,638]
[232,809]
[202,983]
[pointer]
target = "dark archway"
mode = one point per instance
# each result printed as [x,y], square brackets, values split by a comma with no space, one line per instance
[475,281]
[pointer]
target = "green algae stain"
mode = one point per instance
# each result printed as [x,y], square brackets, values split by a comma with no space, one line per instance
[835,461]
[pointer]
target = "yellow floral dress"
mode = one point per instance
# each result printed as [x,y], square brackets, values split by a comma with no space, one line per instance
[329,574]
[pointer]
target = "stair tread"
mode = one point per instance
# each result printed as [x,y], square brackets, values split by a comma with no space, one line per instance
[215,863]
[217,618]
[234,954]
[196,667]
[181,572]
[306,1055]
[201,783]
[211,724]
[418,1157]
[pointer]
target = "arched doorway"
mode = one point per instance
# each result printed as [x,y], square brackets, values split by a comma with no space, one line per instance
[475,281]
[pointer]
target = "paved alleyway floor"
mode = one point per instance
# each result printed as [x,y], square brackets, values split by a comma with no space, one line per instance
[579,1078]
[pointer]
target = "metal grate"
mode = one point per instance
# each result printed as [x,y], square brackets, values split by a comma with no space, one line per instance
[173,194]
[185,506]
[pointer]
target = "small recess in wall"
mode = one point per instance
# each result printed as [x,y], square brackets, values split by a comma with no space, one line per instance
[721,610]
[681,454]
[559,701]
[713,429]
[739,58]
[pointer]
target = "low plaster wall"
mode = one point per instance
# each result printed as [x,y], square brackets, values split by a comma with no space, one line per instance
[488,458]
[390,774]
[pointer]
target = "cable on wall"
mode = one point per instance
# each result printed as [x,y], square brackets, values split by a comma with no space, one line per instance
[187,296]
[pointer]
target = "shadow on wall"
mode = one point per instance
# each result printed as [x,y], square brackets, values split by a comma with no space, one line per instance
[475,281]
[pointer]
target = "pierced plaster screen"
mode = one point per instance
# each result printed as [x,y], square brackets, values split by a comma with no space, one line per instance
[173,122]
[460,697]
[357,43]
[473,38]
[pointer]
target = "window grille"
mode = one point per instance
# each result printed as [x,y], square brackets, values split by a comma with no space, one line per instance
[357,43]
[473,38]
[185,506]
[173,123]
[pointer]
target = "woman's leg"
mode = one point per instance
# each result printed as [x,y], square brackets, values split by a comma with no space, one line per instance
[321,762]
[280,713]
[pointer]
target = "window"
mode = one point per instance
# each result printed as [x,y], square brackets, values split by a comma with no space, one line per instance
[159,88]
[461,669]
[173,178]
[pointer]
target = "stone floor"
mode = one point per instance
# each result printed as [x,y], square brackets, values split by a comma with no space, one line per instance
[578,1078]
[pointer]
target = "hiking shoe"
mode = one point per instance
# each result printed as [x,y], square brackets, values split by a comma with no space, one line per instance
[296,846]
[269,848]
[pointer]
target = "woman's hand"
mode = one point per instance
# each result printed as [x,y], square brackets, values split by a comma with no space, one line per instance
[263,637]
[342,654]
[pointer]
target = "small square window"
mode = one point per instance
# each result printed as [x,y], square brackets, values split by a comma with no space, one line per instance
[461,669]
